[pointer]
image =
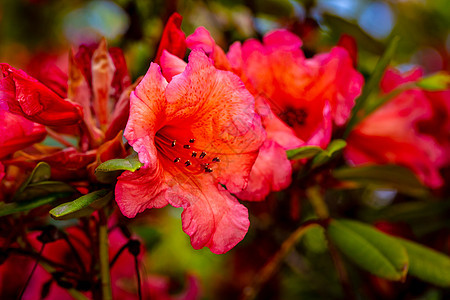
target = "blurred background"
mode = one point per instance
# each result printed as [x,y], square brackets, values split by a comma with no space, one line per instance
[39,30]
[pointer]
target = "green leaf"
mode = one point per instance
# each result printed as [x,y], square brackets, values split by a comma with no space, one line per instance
[43,188]
[40,173]
[372,84]
[427,264]
[83,206]
[303,152]
[15,207]
[370,249]
[332,150]
[392,176]
[108,171]
[435,82]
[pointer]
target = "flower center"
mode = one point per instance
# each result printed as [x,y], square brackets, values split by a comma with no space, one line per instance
[184,155]
[294,116]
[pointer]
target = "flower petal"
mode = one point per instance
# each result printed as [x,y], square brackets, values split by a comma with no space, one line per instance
[140,190]
[221,115]
[271,172]
[22,94]
[171,65]
[211,216]
[173,38]
[18,133]
[147,112]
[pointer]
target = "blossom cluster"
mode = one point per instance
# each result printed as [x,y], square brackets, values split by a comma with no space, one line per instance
[208,132]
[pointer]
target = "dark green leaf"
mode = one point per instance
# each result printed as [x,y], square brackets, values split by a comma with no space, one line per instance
[303,152]
[333,148]
[392,176]
[15,207]
[83,206]
[369,248]
[108,171]
[40,189]
[40,173]
[435,82]
[427,264]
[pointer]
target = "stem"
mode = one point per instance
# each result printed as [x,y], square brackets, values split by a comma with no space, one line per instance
[32,272]
[250,292]
[138,275]
[56,136]
[317,202]
[104,257]
[342,272]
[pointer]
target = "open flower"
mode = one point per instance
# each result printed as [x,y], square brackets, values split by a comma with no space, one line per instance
[298,99]
[391,134]
[194,136]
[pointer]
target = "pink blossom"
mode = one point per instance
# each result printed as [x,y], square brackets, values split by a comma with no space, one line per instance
[194,136]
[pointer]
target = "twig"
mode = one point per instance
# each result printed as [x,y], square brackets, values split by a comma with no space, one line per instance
[104,257]
[250,292]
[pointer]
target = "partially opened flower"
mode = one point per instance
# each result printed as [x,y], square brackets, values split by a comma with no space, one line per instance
[391,133]
[198,137]
[24,95]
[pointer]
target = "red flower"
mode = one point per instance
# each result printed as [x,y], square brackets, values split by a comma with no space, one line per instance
[391,133]
[194,135]
[23,95]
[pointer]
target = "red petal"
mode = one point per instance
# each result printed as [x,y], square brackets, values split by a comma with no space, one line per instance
[173,38]
[26,96]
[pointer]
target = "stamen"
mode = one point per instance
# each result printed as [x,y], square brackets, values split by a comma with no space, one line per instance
[176,160]
[191,140]
[187,163]
[208,170]
[187,147]
[216,159]
[194,154]
[173,143]
[203,154]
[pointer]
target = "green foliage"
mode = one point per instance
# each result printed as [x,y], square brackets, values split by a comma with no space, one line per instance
[108,171]
[427,264]
[370,249]
[392,176]
[23,206]
[371,84]
[83,206]
[303,152]
[435,82]
[320,155]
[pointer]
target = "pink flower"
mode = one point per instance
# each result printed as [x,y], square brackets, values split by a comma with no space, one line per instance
[18,133]
[391,134]
[23,95]
[194,136]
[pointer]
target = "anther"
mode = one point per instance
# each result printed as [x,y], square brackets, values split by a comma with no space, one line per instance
[216,159]
[194,154]
[187,163]
[176,160]
[208,170]
[203,154]
[191,140]
[173,143]
[187,147]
